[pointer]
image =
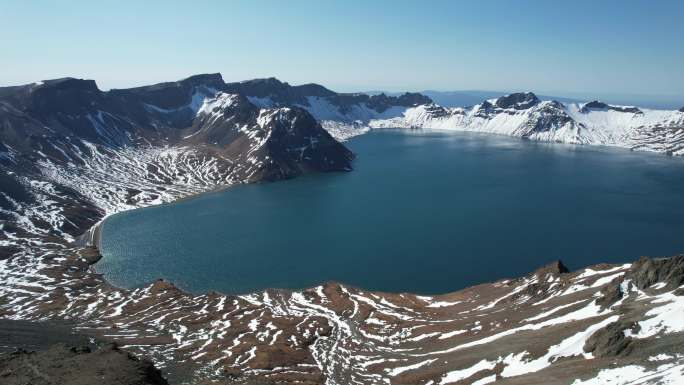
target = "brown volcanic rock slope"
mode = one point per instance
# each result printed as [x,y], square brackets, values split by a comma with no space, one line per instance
[77,366]
[548,327]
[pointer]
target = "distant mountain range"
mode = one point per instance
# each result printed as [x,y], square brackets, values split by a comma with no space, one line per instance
[527,116]
[465,98]
[543,118]
[469,98]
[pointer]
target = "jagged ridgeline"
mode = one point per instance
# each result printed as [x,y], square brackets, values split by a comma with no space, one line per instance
[54,119]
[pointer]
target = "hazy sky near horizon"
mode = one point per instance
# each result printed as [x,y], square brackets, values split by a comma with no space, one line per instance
[602,47]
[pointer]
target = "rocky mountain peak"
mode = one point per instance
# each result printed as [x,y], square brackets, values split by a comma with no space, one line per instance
[556,104]
[518,101]
[68,83]
[598,105]
[595,104]
[382,102]
[172,95]
[214,80]
[483,109]
[290,142]
[409,99]
[67,96]
[224,108]
[553,268]
[279,93]
[271,80]
[262,87]
[313,89]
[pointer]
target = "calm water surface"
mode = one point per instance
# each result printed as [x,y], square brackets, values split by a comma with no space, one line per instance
[422,212]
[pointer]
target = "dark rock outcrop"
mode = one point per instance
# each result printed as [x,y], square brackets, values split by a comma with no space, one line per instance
[610,294]
[436,111]
[518,101]
[283,94]
[555,268]
[170,95]
[609,341]
[597,105]
[648,271]
[484,109]
[633,110]
[643,274]
[77,366]
[541,284]
[298,144]
[383,102]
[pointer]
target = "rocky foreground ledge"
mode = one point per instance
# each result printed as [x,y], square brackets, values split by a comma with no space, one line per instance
[602,323]
[77,366]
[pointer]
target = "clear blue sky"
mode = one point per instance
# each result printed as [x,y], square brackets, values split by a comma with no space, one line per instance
[618,47]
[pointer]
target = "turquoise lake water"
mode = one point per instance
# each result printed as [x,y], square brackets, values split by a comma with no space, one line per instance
[425,212]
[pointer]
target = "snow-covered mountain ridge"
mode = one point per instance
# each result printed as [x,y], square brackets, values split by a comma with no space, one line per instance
[518,114]
[524,115]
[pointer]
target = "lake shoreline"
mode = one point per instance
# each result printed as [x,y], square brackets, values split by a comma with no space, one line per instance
[463,221]
[315,330]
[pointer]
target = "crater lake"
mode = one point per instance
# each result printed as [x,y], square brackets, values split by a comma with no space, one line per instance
[424,212]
